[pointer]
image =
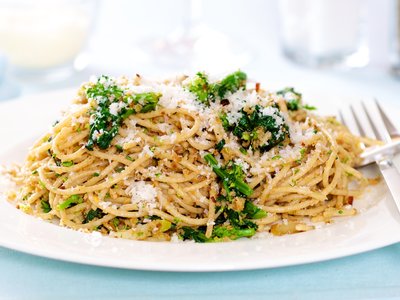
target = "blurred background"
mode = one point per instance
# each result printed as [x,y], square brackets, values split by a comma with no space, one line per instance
[346,45]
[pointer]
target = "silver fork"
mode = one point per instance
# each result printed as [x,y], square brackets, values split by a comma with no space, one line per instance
[388,134]
[383,155]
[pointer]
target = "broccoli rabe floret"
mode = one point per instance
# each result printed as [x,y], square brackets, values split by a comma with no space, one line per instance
[201,87]
[196,235]
[207,92]
[220,145]
[231,177]
[71,200]
[230,224]
[231,83]
[45,206]
[256,130]
[253,211]
[97,213]
[222,232]
[293,99]
[105,125]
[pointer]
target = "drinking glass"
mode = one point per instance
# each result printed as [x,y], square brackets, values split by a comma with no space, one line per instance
[395,38]
[324,33]
[189,45]
[44,39]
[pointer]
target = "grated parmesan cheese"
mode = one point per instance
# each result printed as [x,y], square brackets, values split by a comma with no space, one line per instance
[168,138]
[104,204]
[116,107]
[298,135]
[143,194]
[175,238]
[152,171]
[244,165]
[146,150]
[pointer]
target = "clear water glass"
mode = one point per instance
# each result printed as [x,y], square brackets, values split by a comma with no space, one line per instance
[395,38]
[324,33]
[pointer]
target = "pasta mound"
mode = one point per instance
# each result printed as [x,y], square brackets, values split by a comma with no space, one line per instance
[190,158]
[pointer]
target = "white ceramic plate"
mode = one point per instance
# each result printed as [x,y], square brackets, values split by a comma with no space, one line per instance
[23,120]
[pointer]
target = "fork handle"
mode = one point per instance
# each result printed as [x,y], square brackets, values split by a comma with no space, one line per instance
[392,177]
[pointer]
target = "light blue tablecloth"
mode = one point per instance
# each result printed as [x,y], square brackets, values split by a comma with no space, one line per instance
[372,275]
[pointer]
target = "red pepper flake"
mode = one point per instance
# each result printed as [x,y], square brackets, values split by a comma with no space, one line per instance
[350,200]
[257,86]
[224,102]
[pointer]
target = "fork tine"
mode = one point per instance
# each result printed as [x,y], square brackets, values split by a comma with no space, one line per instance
[380,133]
[359,127]
[341,118]
[393,132]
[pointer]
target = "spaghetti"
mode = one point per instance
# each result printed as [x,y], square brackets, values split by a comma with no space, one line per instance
[189,159]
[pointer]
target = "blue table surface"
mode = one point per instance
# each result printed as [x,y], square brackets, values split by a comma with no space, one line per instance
[372,275]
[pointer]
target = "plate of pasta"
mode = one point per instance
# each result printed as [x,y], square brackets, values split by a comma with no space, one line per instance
[190,173]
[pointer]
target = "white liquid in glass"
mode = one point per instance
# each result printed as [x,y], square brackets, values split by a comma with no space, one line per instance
[43,34]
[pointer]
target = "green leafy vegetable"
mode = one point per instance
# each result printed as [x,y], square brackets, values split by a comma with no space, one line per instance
[105,124]
[231,83]
[165,225]
[207,92]
[56,160]
[145,101]
[74,199]
[115,222]
[231,175]
[230,224]
[219,233]
[225,122]
[232,233]
[45,206]
[67,163]
[258,130]
[253,212]
[97,213]
[237,219]
[242,150]
[293,104]
[119,169]
[308,107]
[42,185]
[195,235]
[203,90]
[293,99]
[220,145]
[302,152]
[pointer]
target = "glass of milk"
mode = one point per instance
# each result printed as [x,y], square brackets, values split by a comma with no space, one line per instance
[324,33]
[44,38]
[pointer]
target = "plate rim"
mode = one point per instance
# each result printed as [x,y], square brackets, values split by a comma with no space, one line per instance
[169,267]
